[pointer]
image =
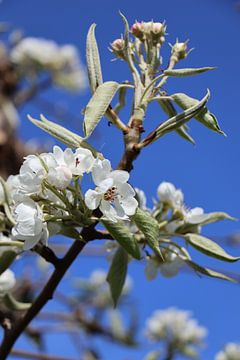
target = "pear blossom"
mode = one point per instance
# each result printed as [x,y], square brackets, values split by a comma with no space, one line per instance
[141,198]
[168,268]
[175,326]
[7,282]
[230,352]
[30,226]
[169,195]
[113,195]
[78,163]
[62,61]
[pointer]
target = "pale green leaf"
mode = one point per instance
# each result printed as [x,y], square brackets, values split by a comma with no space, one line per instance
[208,272]
[149,227]
[187,72]
[169,109]
[204,116]
[93,60]
[67,137]
[209,247]
[117,274]
[98,105]
[123,236]
[209,218]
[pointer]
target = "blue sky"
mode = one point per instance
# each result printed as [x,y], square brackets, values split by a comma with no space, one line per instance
[207,173]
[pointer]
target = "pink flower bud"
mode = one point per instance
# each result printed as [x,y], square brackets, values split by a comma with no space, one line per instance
[117,45]
[138,29]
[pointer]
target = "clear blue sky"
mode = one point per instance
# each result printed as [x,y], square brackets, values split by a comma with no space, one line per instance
[208,173]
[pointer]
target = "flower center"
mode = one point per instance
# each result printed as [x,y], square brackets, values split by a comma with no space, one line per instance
[77,162]
[110,194]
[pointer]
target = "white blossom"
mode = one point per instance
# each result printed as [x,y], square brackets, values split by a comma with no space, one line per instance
[7,282]
[230,352]
[141,198]
[174,325]
[78,163]
[172,263]
[113,195]
[29,224]
[169,195]
[41,54]
[168,268]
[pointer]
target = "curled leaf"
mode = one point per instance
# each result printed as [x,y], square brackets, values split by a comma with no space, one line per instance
[204,116]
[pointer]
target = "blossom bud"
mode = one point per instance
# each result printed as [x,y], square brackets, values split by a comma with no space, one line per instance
[138,30]
[179,50]
[117,47]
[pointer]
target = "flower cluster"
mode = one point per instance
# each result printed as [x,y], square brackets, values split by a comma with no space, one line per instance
[230,352]
[153,31]
[45,55]
[175,327]
[42,194]
[172,199]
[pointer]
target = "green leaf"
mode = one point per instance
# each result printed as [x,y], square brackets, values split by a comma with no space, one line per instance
[187,72]
[208,272]
[209,247]
[169,109]
[98,105]
[15,305]
[6,259]
[67,137]
[93,60]
[209,218]
[124,237]
[175,122]
[204,116]
[149,227]
[117,274]
[5,191]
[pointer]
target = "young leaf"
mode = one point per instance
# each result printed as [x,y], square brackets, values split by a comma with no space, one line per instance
[208,272]
[149,227]
[175,122]
[98,105]
[67,137]
[204,116]
[209,218]
[187,72]
[169,109]
[124,237]
[209,247]
[117,274]
[93,60]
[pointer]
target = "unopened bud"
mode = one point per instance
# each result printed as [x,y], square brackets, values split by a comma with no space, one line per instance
[117,47]
[138,30]
[179,49]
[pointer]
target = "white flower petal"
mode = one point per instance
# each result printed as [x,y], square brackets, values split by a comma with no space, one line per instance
[92,199]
